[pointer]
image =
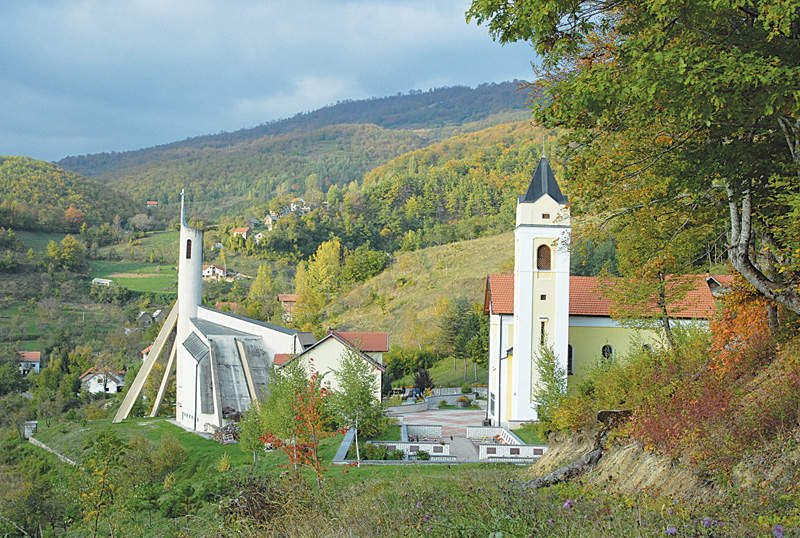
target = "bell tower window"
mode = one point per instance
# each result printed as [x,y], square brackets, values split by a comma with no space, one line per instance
[188,249]
[543,258]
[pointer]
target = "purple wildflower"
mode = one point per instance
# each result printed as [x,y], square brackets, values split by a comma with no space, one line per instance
[569,504]
[550,522]
[419,504]
[672,531]
[426,517]
[707,521]
[777,531]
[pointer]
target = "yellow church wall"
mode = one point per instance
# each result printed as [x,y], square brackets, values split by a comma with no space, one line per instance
[587,344]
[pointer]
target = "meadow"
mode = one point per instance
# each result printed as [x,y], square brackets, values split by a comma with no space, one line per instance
[137,276]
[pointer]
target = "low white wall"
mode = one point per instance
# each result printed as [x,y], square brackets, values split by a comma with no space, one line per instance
[486,452]
[423,431]
[410,448]
[490,433]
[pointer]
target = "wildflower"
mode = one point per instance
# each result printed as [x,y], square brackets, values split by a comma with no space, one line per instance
[419,504]
[777,531]
[707,521]
[426,517]
[672,531]
[569,504]
[550,522]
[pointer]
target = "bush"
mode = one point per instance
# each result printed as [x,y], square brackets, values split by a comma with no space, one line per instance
[423,456]
[422,380]
[442,404]
[169,456]
[466,388]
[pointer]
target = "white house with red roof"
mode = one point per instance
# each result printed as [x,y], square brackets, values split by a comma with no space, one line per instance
[29,361]
[325,357]
[542,304]
[95,382]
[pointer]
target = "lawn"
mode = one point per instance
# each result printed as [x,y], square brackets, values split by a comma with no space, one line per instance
[137,276]
[530,435]
[38,240]
[444,375]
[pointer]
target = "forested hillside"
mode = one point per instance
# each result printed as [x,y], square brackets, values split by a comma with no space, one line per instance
[36,195]
[416,110]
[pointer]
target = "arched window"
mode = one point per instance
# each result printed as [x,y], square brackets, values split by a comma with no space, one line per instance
[188,249]
[543,258]
[569,360]
[607,352]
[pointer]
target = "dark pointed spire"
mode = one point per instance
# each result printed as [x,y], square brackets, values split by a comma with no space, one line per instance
[543,182]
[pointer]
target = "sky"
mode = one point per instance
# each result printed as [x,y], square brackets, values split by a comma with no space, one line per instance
[88,76]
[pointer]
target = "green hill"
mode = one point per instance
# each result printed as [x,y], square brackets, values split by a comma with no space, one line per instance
[37,195]
[403,299]
[416,110]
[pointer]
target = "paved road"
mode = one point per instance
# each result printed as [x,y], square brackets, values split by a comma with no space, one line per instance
[453,421]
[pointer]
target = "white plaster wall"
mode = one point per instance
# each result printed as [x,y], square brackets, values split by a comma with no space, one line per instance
[326,358]
[497,348]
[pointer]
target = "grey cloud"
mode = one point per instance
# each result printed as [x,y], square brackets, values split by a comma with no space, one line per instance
[90,76]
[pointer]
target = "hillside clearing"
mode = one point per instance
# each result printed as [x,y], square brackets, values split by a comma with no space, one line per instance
[403,299]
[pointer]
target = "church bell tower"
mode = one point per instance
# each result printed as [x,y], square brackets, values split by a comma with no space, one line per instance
[541,285]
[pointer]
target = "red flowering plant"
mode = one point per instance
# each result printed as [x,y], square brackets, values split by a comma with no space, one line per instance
[307,427]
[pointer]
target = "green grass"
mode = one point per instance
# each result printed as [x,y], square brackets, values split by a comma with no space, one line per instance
[444,375]
[38,240]
[137,276]
[404,299]
[530,435]
[392,433]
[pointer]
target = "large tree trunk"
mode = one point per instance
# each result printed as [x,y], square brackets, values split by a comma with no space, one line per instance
[739,253]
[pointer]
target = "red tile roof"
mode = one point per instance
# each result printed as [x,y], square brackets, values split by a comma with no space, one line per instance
[586,297]
[366,342]
[30,356]
[287,297]
[147,349]
[282,358]
[243,229]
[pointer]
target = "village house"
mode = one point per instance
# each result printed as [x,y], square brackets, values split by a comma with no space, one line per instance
[288,301]
[146,352]
[542,305]
[271,220]
[243,232]
[95,382]
[102,281]
[29,361]
[145,319]
[325,357]
[260,237]
[213,272]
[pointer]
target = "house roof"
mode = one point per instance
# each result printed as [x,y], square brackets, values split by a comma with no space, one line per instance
[116,378]
[241,229]
[366,341]
[586,297]
[287,297]
[214,266]
[543,182]
[147,349]
[282,358]
[30,356]
[346,343]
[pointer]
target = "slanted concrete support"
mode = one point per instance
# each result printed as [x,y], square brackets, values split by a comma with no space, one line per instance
[135,388]
[167,373]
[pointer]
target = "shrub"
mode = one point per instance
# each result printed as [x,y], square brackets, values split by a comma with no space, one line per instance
[466,388]
[422,380]
[442,404]
[423,456]
[169,456]
[463,399]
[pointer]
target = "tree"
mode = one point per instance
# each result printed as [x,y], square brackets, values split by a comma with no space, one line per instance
[140,222]
[552,385]
[307,427]
[317,282]
[353,403]
[687,107]
[106,452]
[262,301]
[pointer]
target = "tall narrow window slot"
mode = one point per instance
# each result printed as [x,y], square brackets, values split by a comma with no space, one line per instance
[188,249]
[541,332]
[569,360]
[543,258]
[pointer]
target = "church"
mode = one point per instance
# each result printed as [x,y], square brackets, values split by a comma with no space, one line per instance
[541,304]
[222,361]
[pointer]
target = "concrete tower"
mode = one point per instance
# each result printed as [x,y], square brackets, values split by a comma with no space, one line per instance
[190,296]
[541,286]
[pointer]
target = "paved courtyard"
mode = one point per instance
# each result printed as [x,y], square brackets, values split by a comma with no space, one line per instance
[453,421]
